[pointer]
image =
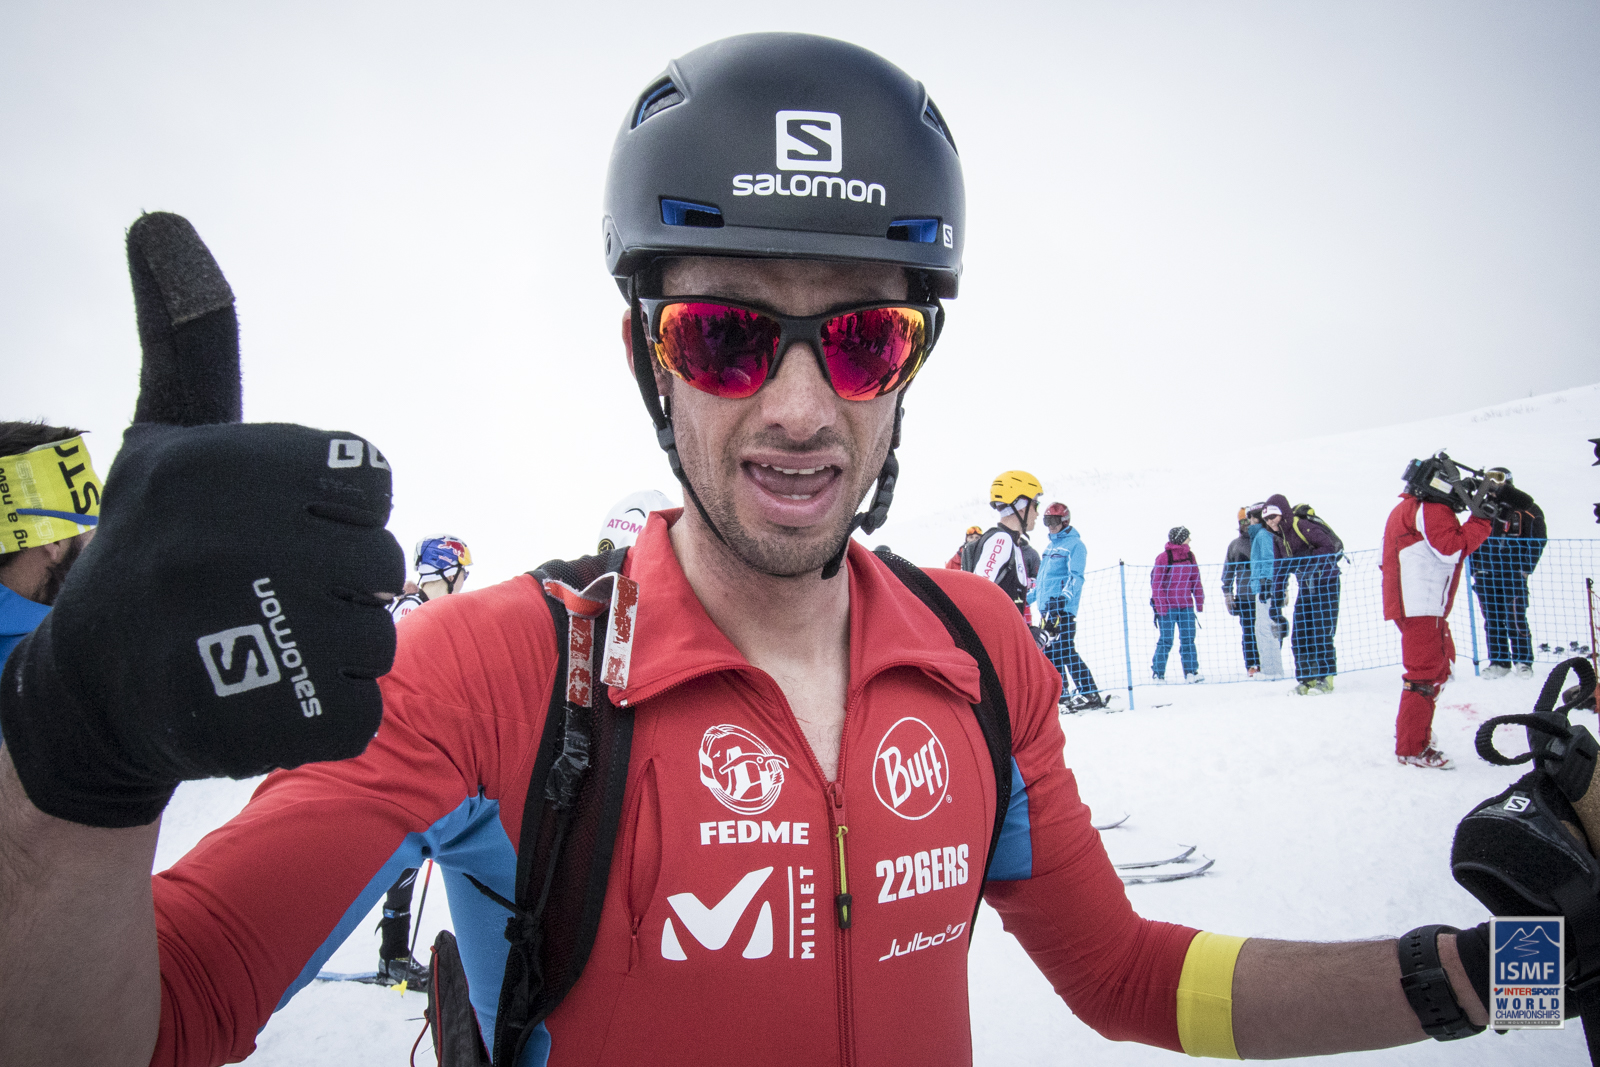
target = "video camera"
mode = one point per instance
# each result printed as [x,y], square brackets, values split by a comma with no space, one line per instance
[1442,480]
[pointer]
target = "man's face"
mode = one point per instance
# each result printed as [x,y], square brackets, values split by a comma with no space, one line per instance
[971,537]
[1272,522]
[782,472]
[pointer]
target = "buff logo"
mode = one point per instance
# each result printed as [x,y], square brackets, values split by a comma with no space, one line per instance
[740,770]
[810,142]
[910,772]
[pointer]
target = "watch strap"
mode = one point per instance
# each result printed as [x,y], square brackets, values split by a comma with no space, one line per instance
[1427,987]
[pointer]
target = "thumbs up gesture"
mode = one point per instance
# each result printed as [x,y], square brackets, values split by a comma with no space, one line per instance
[225,620]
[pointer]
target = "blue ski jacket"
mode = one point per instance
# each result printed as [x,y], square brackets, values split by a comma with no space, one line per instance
[18,617]
[1061,571]
[1263,560]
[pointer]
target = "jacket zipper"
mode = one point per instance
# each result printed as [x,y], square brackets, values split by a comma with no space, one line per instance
[842,908]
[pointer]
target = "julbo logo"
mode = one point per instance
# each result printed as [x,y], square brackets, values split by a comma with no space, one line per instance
[910,772]
[740,770]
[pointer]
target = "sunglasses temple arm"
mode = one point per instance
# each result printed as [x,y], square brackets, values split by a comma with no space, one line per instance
[644,374]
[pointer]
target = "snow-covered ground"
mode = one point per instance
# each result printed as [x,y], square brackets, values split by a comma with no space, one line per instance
[1316,832]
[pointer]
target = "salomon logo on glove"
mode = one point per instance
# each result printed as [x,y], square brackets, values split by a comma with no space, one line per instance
[224,620]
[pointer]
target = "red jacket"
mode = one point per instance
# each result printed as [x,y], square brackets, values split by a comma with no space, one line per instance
[719,941]
[1420,573]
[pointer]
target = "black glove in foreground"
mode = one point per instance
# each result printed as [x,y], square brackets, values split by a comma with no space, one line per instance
[222,622]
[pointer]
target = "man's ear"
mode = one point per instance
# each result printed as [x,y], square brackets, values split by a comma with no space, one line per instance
[627,339]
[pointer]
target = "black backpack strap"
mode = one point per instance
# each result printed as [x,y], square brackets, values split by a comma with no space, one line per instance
[991,710]
[569,823]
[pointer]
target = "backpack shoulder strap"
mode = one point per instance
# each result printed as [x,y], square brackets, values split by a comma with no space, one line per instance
[991,711]
[569,822]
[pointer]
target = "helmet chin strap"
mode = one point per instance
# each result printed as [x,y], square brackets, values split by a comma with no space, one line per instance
[644,375]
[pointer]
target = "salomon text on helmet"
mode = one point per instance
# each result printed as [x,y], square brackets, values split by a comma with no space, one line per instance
[789,146]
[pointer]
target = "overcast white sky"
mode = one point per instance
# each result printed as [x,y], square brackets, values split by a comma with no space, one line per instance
[1185,218]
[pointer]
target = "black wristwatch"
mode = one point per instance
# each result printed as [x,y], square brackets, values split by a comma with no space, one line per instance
[1427,987]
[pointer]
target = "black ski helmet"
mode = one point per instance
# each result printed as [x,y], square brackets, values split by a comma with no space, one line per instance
[789,146]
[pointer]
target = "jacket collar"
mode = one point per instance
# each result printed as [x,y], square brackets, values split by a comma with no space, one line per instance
[676,640]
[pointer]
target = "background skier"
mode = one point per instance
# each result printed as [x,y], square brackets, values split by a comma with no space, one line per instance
[1312,556]
[1266,585]
[1056,594]
[1002,554]
[1500,572]
[442,564]
[954,562]
[1176,594]
[1236,591]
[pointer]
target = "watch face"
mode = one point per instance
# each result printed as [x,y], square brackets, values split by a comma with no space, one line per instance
[1527,968]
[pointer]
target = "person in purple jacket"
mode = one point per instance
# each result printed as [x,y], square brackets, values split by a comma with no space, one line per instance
[1313,554]
[1176,595]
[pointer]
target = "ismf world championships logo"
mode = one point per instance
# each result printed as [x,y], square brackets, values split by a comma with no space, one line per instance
[740,770]
[910,772]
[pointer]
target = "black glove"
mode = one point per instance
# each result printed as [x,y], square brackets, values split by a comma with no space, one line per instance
[1040,638]
[222,621]
[1051,625]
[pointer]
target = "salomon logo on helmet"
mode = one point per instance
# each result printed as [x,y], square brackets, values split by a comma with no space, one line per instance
[810,140]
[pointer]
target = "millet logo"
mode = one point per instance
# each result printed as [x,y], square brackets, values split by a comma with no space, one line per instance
[239,659]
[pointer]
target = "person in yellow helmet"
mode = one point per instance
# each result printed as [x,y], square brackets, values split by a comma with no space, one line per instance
[1002,553]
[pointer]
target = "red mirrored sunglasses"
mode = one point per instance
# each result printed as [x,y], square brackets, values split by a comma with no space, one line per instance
[730,350]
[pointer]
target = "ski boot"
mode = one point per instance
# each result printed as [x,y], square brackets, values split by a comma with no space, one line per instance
[407,972]
[1493,671]
[1522,670]
[1193,677]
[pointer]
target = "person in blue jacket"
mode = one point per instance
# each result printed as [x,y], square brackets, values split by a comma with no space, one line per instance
[49,505]
[1056,594]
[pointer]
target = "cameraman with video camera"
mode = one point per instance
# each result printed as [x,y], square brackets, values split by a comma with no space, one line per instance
[1424,545]
[1500,571]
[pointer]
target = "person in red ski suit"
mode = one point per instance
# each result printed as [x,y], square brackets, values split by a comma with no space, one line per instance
[1424,546]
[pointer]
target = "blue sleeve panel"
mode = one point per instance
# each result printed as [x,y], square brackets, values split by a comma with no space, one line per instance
[1013,856]
[468,840]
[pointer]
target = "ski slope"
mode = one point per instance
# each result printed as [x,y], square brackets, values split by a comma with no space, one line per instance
[1317,833]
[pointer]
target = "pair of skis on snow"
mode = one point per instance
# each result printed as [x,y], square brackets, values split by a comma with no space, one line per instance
[1139,862]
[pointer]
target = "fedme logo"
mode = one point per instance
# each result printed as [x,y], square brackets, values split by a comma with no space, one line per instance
[811,141]
[239,659]
[740,770]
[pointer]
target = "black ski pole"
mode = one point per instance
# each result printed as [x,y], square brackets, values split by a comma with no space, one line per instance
[416,923]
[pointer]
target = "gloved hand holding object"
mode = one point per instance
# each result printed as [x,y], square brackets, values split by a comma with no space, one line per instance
[1530,850]
[223,620]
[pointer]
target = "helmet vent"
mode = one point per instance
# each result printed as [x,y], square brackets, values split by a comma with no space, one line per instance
[656,99]
[688,213]
[930,115]
[918,231]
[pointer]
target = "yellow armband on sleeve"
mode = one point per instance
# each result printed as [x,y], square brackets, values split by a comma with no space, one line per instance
[1205,996]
